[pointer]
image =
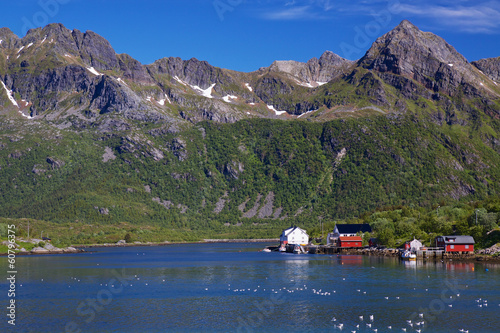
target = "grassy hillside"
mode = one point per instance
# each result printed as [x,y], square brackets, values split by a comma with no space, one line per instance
[247,179]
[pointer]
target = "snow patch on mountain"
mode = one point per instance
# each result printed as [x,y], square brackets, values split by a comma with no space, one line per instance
[229,97]
[278,113]
[306,113]
[13,101]
[205,92]
[93,71]
[9,94]
[162,101]
[180,81]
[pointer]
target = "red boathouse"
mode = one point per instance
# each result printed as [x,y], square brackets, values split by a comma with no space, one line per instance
[353,241]
[455,243]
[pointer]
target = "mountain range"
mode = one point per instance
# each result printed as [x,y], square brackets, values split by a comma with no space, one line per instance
[88,134]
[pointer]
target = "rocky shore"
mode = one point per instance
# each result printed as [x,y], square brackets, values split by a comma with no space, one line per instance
[43,247]
[489,254]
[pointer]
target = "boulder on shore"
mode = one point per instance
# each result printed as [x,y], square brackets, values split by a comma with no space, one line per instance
[39,250]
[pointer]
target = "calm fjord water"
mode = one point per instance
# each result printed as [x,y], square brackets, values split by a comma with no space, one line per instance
[235,288]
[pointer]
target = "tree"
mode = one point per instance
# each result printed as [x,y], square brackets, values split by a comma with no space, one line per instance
[128,238]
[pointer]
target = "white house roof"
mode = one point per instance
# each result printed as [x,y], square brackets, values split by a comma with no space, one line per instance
[288,231]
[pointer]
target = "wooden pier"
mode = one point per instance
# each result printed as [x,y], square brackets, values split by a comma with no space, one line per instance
[430,253]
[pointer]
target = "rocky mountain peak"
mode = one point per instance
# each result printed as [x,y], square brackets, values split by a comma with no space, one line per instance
[95,50]
[8,38]
[423,57]
[406,50]
[314,72]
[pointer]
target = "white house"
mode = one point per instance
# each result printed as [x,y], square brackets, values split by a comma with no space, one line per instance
[294,235]
[414,245]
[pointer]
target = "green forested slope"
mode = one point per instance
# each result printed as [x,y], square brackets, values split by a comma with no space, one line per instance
[332,170]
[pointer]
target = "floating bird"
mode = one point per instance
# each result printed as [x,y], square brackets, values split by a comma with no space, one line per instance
[334,319]
[389,327]
[371,317]
[421,315]
[361,317]
[404,329]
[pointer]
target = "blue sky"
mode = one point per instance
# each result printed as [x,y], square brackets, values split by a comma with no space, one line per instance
[247,34]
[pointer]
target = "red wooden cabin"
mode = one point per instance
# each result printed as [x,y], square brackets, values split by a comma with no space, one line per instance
[353,241]
[455,243]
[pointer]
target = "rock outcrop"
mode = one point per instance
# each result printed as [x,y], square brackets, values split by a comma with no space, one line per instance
[490,67]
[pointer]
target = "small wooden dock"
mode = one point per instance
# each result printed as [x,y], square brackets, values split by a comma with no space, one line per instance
[430,253]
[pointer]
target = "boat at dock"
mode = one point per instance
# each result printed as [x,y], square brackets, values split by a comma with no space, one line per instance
[299,249]
[408,255]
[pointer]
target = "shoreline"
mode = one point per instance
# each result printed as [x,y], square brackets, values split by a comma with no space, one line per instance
[205,241]
[80,248]
[75,249]
[449,256]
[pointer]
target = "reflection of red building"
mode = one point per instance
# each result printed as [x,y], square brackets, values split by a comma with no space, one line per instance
[455,243]
[351,260]
[460,266]
[354,241]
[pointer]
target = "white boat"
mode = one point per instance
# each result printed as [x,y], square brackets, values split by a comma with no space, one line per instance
[298,249]
[266,250]
[407,255]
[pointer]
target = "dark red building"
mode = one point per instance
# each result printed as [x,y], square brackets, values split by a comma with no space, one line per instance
[353,241]
[455,243]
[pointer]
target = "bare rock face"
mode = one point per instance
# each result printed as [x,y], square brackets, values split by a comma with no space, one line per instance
[253,211]
[55,163]
[490,67]
[267,209]
[8,37]
[193,72]
[96,50]
[324,69]
[421,56]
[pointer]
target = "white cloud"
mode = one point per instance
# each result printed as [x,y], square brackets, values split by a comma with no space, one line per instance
[289,13]
[477,18]
[300,10]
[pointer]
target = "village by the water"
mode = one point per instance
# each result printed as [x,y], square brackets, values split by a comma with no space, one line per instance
[356,239]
